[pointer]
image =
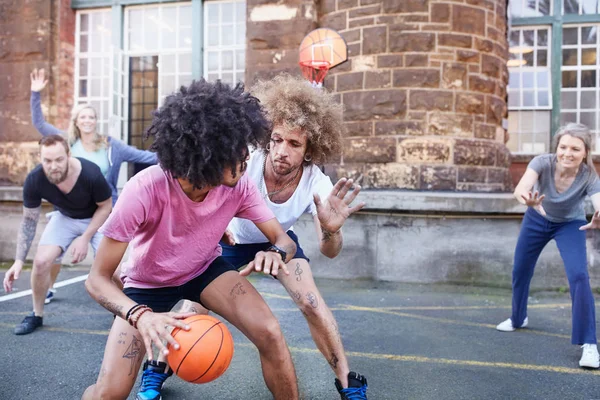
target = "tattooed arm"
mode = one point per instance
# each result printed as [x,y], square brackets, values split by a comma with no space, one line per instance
[270,262]
[330,243]
[277,236]
[27,232]
[24,240]
[99,283]
[332,214]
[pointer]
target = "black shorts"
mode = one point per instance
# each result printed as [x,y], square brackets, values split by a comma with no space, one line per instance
[241,254]
[164,299]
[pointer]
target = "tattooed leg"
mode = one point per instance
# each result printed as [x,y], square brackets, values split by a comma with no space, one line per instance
[322,324]
[123,356]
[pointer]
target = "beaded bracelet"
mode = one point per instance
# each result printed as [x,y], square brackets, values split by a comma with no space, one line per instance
[139,307]
[132,310]
[138,315]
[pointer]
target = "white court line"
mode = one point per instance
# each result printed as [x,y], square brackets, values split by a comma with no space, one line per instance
[56,285]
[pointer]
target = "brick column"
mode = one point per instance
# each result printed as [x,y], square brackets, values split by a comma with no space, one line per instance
[33,34]
[274,32]
[424,92]
[63,65]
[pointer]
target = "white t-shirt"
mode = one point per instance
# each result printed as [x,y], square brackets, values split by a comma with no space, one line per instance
[313,181]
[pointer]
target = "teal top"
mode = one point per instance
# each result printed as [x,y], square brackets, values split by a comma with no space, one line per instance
[98,157]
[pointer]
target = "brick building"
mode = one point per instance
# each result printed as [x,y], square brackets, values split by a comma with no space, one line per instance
[424,88]
[445,100]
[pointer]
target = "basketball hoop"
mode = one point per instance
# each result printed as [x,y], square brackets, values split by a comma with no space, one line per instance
[314,71]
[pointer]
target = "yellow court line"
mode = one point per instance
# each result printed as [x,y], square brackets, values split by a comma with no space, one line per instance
[471,363]
[389,357]
[65,330]
[449,321]
[443,308]
[275,296]
[439,308]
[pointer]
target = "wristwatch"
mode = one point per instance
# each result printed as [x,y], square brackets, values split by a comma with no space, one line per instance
[277,250]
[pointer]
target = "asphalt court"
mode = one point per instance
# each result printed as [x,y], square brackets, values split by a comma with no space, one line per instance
[411,341]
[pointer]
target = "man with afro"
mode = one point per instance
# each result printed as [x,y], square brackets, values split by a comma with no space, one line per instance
[307,130]
[174,215]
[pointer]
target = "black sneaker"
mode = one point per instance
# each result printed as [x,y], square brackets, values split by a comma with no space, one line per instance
[357,387]
[29,324]
[153,379]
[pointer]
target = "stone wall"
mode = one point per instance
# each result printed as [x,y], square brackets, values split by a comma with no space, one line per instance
[424,92]
[33,34]
[273,34]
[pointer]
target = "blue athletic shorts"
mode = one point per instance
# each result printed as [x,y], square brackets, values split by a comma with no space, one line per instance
[241,254]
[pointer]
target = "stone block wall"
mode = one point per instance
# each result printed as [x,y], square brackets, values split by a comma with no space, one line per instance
[273,34]
[33,34]
[424,92]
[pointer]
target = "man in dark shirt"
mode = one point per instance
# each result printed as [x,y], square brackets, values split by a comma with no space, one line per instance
[79,192]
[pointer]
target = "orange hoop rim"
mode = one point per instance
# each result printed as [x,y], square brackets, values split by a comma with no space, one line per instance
[315,64]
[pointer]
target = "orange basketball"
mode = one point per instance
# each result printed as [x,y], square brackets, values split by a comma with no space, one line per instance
[205,351]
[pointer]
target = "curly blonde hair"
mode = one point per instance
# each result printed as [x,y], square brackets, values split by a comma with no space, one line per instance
[73,133]
[295,103]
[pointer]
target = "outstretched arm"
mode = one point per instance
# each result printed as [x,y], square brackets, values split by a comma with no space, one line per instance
[24,240]
[333,213]
[271,262]
[595,222]
[38,83]
[523,192]
[525,185]
[131,154]
[80,245]
[153,327]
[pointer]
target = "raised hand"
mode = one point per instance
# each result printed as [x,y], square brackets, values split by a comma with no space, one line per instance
[535,201]
[336,208]
[594,223]
[38,80]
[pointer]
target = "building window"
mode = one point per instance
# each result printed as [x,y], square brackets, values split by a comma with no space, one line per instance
[579,89]
[529,93]
[92,63]
[225,41]
[567,67]
[580,7]
[530,8]
[164,31]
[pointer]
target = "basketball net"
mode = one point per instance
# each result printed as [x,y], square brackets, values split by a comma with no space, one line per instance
[315,71]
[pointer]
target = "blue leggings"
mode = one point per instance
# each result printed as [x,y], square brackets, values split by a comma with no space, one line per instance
[536,232]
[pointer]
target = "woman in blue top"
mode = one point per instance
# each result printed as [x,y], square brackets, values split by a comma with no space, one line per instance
[562,180]
[86,142]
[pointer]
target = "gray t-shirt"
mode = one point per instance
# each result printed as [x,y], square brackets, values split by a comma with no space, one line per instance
[568,205]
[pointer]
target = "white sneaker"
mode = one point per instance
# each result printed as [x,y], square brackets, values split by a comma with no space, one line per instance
[507,326]
[50,296]
[589,357]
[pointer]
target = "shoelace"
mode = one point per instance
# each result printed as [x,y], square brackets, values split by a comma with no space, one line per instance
[152,380]
[355,393]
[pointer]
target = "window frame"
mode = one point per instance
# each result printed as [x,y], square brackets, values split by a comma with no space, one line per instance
[557,21]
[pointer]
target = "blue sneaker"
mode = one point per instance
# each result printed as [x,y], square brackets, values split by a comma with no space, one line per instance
[153,379]
[50,296]
[357,387]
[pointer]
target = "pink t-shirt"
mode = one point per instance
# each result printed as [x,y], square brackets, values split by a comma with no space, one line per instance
[173,238]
